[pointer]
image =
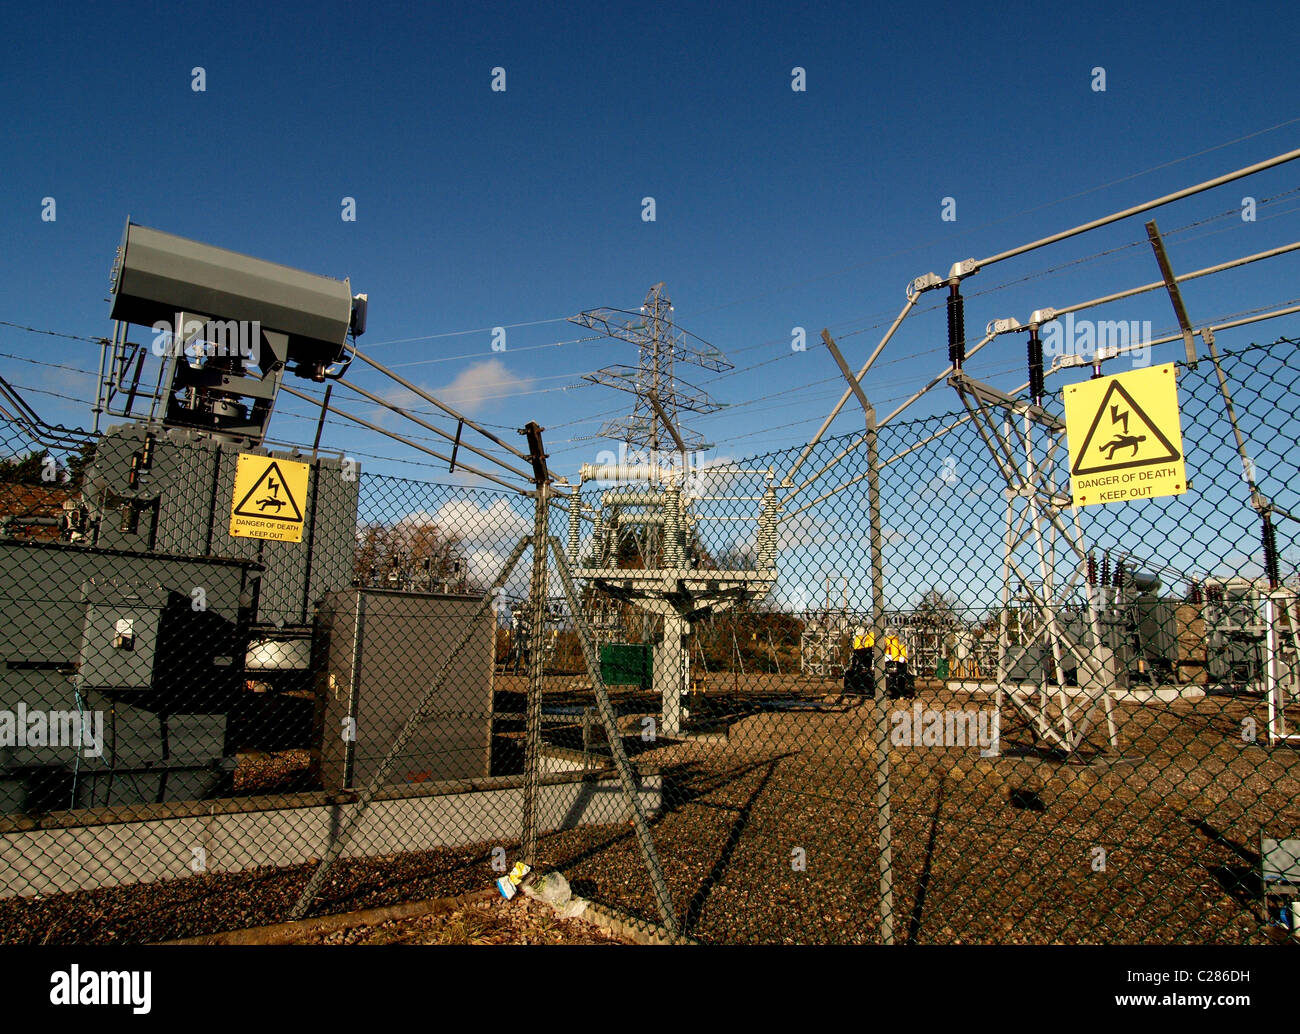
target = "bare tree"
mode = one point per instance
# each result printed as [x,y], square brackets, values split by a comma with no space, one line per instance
[409,554]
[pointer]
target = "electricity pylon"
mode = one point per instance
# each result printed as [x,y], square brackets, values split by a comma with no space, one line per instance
[661,396]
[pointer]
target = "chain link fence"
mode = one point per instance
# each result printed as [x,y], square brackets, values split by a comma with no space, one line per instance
[1048,724]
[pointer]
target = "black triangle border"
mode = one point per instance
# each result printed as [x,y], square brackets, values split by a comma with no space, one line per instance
[1116,386]
[238,511]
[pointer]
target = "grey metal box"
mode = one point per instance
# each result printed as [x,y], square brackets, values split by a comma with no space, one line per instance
[1280,861]
[385,649]
[119,642]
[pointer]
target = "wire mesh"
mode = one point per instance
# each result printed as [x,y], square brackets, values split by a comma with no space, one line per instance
[1090,712]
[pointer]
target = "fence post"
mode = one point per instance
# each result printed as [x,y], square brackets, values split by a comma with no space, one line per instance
[880,703]
[627,776]
[884,818]
[536,640]
[536,652]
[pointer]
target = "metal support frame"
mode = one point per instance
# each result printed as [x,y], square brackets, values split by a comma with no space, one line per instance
[1175,295]
[969,267]
[820,643]
[669,591]
[1281,606]
[679,596]
[1026,441]
[1281,676]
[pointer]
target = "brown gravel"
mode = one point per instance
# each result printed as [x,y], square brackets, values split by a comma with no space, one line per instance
[495,921]
[984,851]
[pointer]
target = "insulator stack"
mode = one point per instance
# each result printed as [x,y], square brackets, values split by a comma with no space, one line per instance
[956,327]
[674,537]
[1036,388]
[600,552]
[767,530]
[575,524]
[1271,568]
[1092,570]
[1195,594]
[1119,574]
[1105,569]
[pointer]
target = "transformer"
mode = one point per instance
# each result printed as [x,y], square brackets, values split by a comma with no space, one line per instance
[153,641]
[1235,631]
[1138,625]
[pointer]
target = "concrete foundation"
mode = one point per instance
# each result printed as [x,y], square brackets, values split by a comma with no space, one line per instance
[236,835]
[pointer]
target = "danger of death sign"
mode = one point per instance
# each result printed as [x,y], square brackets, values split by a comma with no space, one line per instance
[269,498]
[1125,437]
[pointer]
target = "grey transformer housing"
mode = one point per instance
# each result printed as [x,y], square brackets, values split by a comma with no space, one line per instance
[158,274]
[246,320]
[197,643]
[148,614]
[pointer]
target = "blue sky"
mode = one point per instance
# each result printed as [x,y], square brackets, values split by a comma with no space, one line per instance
[774,208]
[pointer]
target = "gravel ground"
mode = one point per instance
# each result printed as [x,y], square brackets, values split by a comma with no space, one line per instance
[495,921]
[1158,846]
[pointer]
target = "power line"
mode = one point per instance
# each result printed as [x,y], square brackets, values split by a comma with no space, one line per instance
[52,366]
[470,400]
[498,352]
[995,222]
[55,333]
[463,333]
[52,394]
[766,362]
[876,259]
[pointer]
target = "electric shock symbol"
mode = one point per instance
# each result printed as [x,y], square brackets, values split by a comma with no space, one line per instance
[1125,437]
[1122,450]
[249,506]
[1123,441]
[274,498]
[267,500]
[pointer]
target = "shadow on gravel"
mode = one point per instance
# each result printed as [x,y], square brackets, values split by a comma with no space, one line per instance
[701,896]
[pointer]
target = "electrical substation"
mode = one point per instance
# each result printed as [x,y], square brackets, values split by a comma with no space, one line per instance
[233,648]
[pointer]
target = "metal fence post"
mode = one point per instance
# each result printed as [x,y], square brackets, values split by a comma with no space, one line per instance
[536,651]
[609,718]
[880,703]
[884,817]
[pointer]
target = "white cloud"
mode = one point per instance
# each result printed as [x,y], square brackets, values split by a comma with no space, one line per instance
[484,567]
[721,475]
[480,384]
[476,387]
[496,525]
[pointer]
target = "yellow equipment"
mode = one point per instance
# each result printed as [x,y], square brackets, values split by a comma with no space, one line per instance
[894,648]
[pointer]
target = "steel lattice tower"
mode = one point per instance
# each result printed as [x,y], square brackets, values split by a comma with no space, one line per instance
[661,396]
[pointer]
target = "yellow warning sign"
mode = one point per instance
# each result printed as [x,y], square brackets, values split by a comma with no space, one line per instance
[1125,437]
[268,499]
